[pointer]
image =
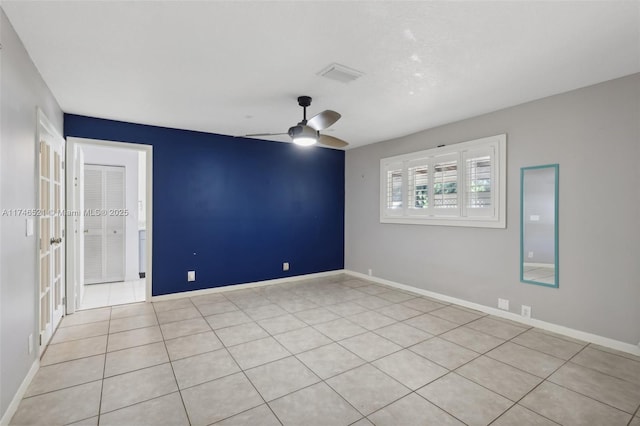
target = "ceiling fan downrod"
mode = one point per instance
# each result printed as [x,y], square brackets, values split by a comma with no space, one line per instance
[304,102]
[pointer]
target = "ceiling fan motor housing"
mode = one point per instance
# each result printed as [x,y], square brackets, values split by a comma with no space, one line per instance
[293,131]
[302,130]
[304,101]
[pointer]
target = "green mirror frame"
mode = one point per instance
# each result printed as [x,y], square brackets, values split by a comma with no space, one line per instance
[539,189]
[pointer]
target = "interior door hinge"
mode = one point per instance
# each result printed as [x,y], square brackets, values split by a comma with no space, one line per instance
[40,344]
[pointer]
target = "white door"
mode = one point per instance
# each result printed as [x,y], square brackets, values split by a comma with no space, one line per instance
[104,223]
[51,228]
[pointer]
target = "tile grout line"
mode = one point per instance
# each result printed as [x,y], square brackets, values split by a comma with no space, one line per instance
[139,402]
[414,391]
[224,347]
[461,325]
[544,380]
[243,371]
[372,365]
[239,367]
[369,362]
[468,362]
[164,342]
[294,355]
[366,362]
[601,372]
[62,362]
[449,371]
[497,360]
[436,405]
[104,369]
[479,384]
[299,293]
[514,403]
[589,397]
[634,415]
[580,393]
[524,408]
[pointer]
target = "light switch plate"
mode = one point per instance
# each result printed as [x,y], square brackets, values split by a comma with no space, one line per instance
[191,276]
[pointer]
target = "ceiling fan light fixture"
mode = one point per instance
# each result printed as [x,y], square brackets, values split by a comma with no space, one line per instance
[303,135]
[307,132]
[305,141]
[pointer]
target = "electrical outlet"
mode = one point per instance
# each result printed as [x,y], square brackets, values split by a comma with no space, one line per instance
[285,266]
[30,343]
[191,276]
[526,311]
[530,255]
[503,304]
[370,272]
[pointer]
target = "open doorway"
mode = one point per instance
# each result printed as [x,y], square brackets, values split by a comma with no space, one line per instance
[110,190]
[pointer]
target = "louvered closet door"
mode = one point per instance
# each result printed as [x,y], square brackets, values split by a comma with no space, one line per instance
[104,233]
[93,232]
[114,223]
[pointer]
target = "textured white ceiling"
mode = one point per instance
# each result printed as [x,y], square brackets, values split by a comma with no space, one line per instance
[237,67]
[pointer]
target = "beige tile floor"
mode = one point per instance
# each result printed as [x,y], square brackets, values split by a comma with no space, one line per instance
[109,294]
[332,351]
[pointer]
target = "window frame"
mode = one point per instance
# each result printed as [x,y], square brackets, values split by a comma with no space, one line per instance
[462,215]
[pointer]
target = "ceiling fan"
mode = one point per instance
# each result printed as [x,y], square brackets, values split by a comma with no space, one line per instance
[307,132]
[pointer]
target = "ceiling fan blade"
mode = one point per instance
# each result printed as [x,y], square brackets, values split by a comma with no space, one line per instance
[331,141]
[323,120]
[263,134]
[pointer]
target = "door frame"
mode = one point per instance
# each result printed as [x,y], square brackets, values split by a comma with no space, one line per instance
[72,142]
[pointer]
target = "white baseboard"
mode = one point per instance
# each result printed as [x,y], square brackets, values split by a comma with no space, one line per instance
[15,402]
[193,293]
[566,331]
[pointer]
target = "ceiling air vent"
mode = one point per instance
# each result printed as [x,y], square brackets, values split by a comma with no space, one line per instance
[340,73]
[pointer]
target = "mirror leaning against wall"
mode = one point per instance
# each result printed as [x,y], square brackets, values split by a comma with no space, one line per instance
[539,225]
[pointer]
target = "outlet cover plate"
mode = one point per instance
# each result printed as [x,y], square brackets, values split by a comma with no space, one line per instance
[191,276]
[526,311]
[503,304]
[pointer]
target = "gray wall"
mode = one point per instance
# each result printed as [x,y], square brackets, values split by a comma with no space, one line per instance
[21,91]
[594,134]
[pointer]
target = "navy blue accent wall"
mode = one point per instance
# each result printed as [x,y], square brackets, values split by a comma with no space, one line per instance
[234,209]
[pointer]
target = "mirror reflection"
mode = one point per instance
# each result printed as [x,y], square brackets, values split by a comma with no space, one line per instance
[539,225]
